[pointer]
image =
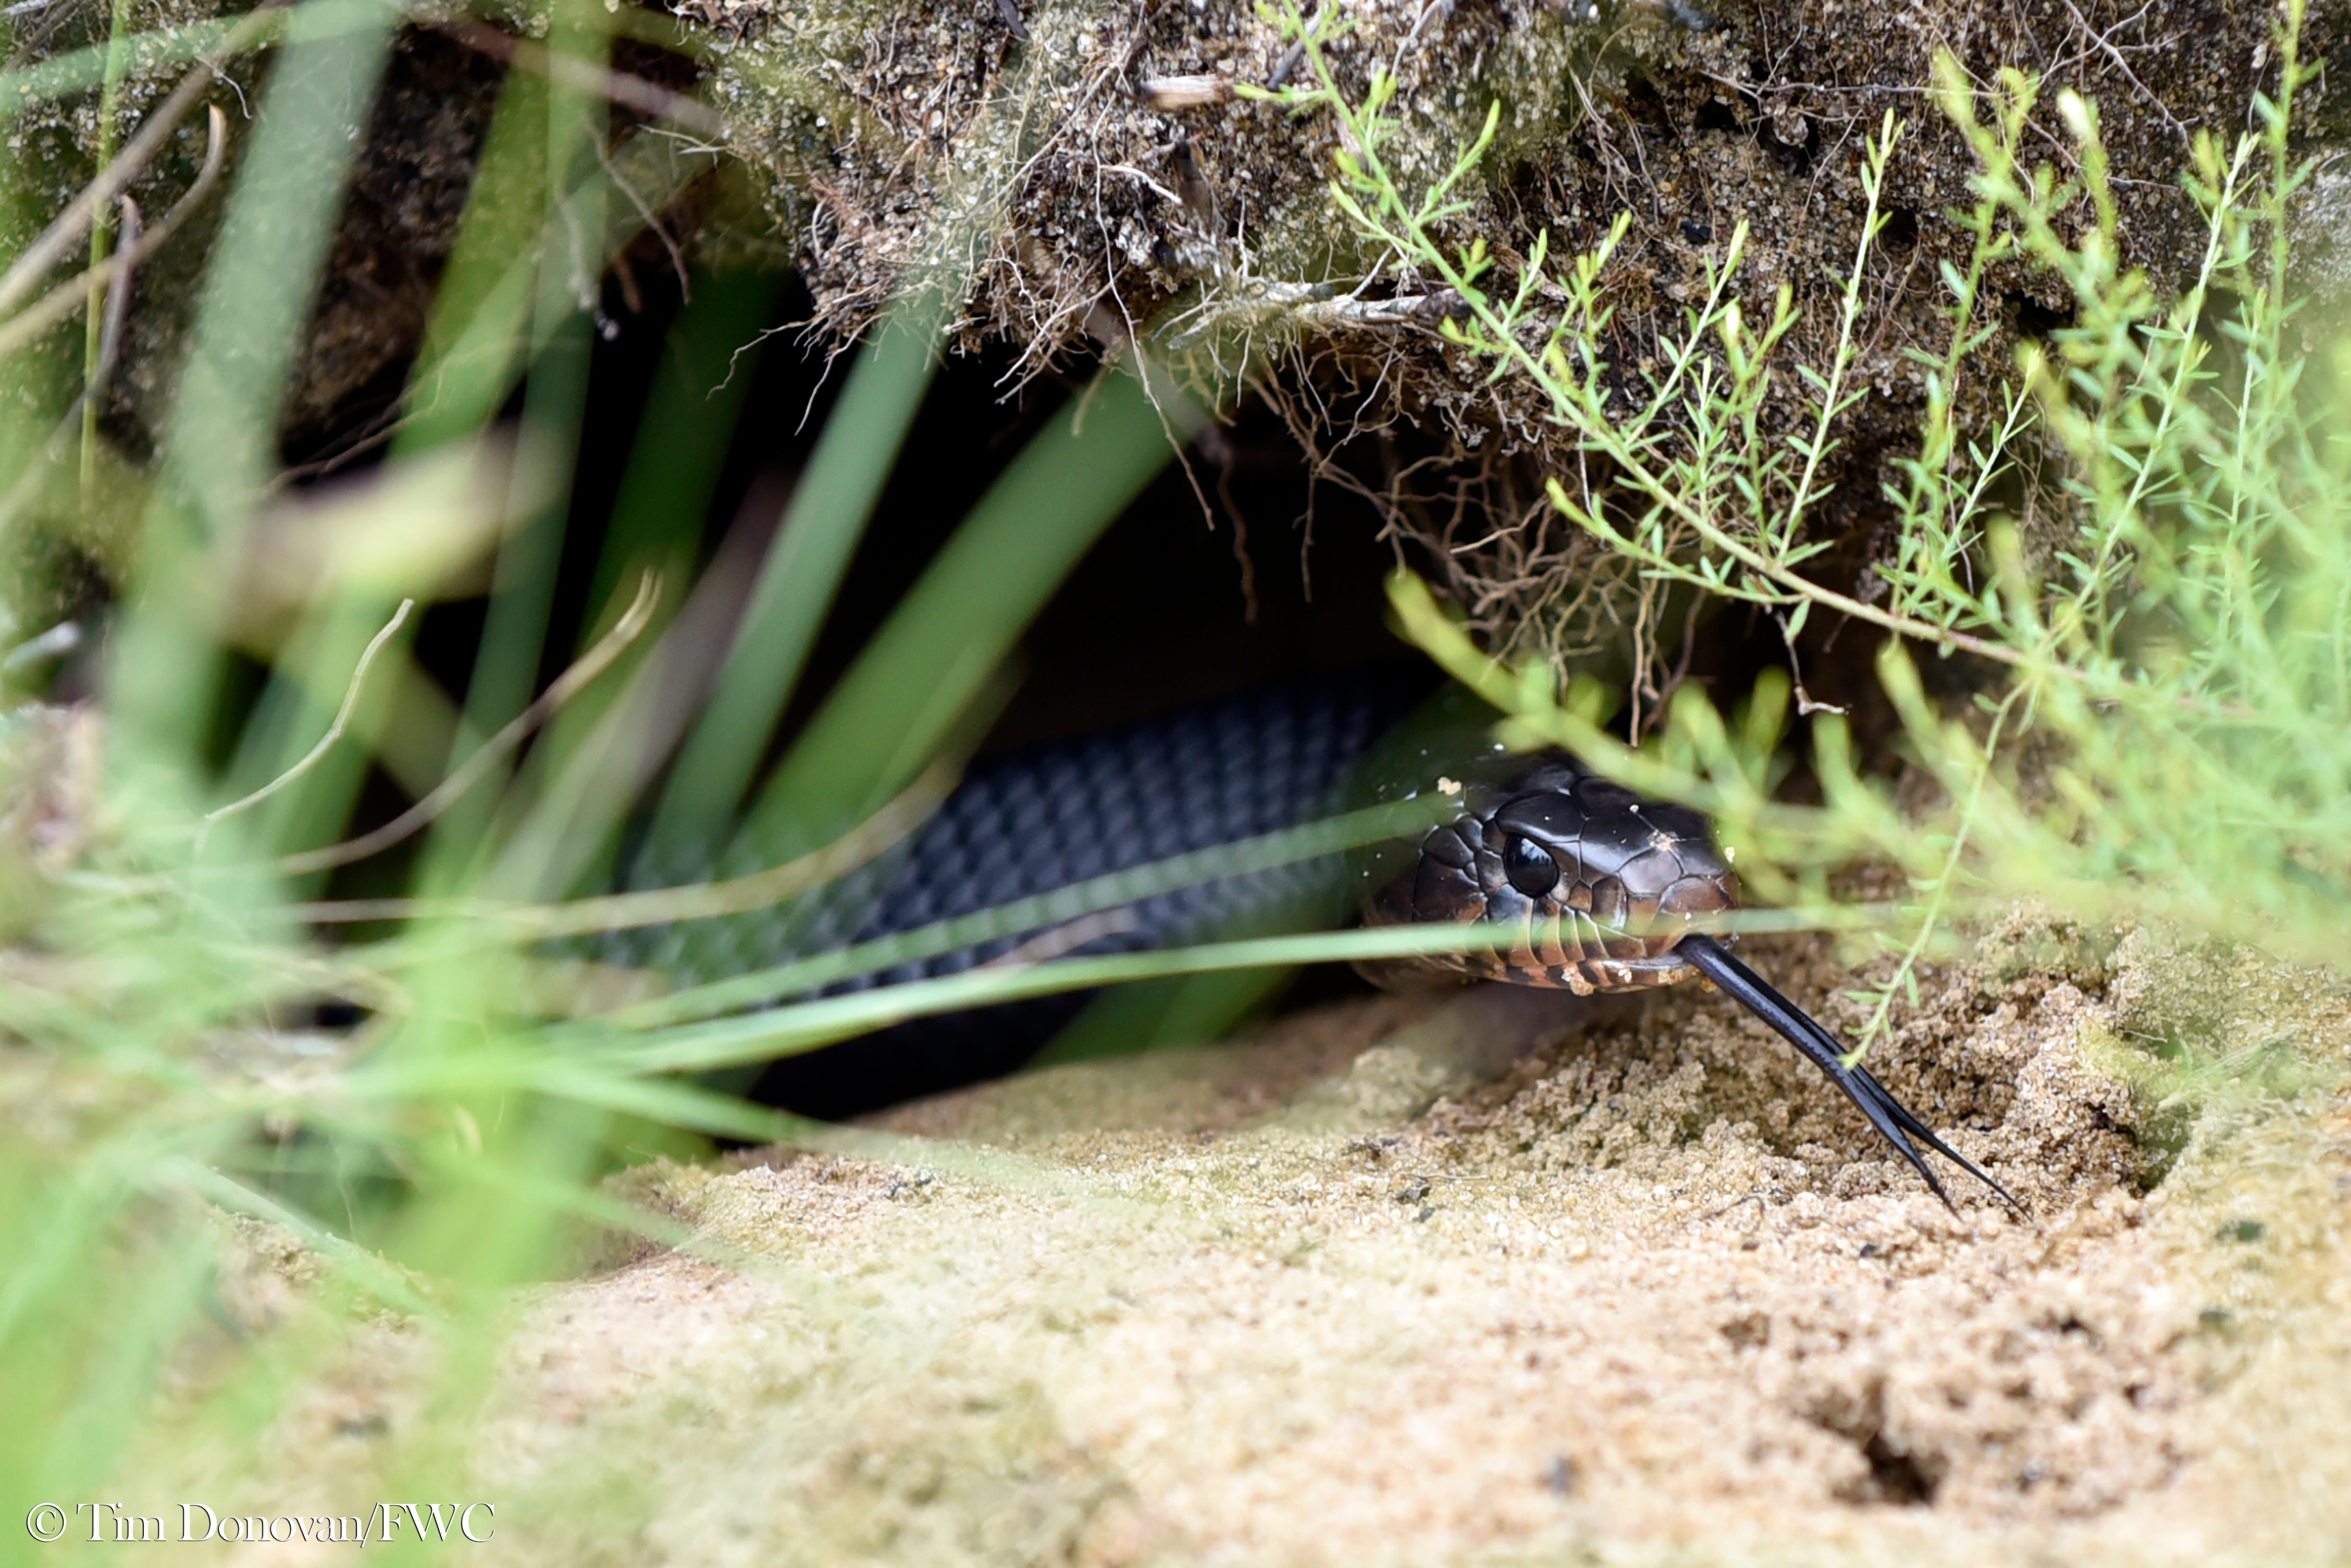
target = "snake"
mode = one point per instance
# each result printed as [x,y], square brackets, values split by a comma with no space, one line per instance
[1601,888]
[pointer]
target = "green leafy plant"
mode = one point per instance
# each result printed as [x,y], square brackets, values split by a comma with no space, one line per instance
[2160,728]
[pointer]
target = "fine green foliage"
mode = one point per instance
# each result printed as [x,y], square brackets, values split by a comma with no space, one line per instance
[2161,653]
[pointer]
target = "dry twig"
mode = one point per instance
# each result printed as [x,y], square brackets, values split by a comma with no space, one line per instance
[1173,94]
[550,702]
[76,292]
[334,731]
[666,905]
[583,76]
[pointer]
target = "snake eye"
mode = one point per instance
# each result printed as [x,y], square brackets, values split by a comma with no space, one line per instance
[1530,867]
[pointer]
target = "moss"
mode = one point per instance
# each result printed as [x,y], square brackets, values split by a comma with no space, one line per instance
[53,151]
[398,222]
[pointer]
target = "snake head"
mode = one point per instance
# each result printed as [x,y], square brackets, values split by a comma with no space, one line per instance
[1601,883]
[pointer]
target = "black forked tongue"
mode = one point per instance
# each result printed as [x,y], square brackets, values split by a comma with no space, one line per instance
[1893,1121]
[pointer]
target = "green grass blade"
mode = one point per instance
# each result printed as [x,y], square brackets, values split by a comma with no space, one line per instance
[485,333]
[226,418]
[1154,1015]
[80,70]
[467,364]
[796,586]
[590,768]
[522,593]
[790,1031]
[679,451]
[893,708]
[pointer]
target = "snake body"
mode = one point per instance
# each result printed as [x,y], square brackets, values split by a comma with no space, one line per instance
[1600,882]
[1044,817]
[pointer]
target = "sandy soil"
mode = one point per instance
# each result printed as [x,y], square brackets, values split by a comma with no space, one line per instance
[1365,1290]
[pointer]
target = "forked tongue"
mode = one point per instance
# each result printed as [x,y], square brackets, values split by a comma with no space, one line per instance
[1893,1121]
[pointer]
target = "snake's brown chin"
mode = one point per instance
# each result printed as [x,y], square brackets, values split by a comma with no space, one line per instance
[1585,976]
[1546,962]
